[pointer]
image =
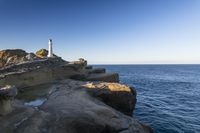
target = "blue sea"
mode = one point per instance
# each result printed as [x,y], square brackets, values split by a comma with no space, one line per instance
[168,96]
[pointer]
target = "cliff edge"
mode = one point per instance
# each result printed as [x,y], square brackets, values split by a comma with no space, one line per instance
[77,99]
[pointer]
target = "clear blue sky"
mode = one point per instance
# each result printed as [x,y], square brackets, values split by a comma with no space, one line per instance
[105,31]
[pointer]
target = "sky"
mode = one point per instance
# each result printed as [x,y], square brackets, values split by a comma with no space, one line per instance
[105,31]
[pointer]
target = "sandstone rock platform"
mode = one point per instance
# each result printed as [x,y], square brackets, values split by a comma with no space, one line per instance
[92,103]
[71,109]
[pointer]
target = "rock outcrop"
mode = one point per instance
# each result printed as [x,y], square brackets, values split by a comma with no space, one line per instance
[46,70]
[10,57]
[71,109]
[118,96]
[15,56]
[107,77]
[36,72]
[31,57]
[42,53]
[81,62]
[97,70]
[71,106]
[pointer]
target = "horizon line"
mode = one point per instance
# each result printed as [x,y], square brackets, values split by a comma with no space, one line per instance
[148,64]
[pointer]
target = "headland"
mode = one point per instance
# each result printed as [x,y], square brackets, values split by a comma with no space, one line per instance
[77,98]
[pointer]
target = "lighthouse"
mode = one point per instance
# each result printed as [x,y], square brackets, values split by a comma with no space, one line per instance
[50,54]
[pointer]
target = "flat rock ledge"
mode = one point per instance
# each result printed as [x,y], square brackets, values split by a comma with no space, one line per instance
[81,99]
[50,69]
[76,107]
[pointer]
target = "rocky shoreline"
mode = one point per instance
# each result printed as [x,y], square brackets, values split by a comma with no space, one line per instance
[78,99]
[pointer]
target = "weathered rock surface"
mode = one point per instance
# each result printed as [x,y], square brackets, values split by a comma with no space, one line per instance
[10,57]
[81,62]
[97,70]
[72,109]
[7,92]
[88,67]
[31,57]
[118,96]
[37,72]
[42,53]
[6,95]
[71,106]
[107,77]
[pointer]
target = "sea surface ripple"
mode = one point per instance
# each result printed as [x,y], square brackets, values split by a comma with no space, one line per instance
[168,96]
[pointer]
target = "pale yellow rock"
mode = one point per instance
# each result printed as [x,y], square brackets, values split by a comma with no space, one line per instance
[110,86]
[42,53]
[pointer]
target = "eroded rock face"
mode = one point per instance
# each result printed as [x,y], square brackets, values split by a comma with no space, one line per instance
[31,57]
[97,71]
[81,62]
[118,96]
[7,93]
[24,69]
[106,77]
[10,57]
[71,109]
[71,106]
[37,72]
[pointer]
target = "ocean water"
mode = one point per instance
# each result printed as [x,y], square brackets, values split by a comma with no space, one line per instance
[168,96]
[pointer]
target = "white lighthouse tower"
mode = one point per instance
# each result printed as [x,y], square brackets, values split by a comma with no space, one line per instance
[50,54]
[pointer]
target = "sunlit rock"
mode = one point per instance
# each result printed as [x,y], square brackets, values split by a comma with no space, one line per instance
[42,53]
[12,57]
[118,96]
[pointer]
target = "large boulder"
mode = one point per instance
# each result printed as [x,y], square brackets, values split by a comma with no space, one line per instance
[42,53]
[11,57]
[118,96]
